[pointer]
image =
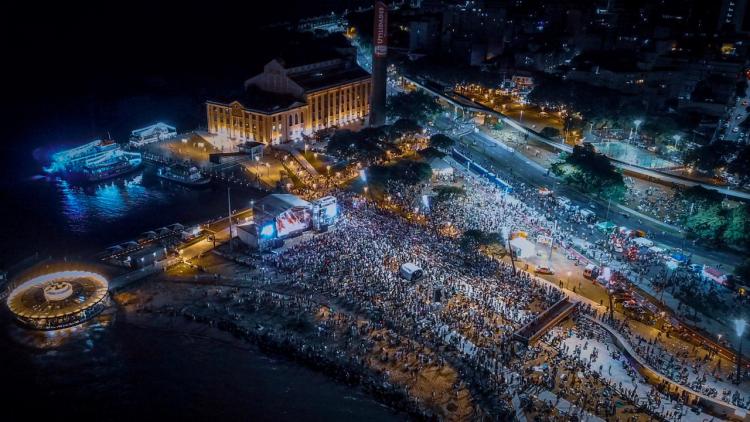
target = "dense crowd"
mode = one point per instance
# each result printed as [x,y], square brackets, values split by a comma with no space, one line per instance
[467,302]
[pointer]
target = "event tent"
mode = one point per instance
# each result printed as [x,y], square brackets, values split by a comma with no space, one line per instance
[522,248]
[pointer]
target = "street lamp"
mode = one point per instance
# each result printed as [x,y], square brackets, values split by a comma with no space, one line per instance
[637,123]
[521,119]
[739,328]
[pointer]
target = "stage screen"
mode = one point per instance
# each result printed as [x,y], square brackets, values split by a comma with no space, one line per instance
[293,220]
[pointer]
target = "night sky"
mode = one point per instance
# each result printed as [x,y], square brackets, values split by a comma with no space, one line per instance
[68,67]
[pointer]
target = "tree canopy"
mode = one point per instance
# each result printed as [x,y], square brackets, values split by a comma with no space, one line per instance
[445,192]
[591,172]
[416,105]
[406,172]
[403,128]
[716,224]
[737,229]
[441,142]
[596,104]
[701,195]
[365,145]
[492,243]
[706,224]
[710,157]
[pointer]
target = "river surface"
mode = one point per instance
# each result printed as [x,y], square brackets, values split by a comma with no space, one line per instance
[54,217]
[118,371]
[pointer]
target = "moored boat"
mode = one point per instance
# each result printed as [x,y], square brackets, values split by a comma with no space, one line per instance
[95,161]
[183,174]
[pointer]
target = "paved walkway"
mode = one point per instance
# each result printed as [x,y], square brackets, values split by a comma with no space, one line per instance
[303,162]
[653,373]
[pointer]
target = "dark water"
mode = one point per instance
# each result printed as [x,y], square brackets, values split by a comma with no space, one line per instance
[123,372]
[54,217]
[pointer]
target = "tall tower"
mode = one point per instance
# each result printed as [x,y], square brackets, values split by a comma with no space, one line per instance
[379,63]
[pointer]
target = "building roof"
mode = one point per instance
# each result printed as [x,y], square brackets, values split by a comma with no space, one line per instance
[324,78]
[713,272]
[525,247]
[261,101]
[273,205]
[251,144]
[438,164]
[149,130]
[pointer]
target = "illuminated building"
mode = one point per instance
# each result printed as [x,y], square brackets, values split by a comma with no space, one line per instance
[156,132]
[284,103]
[59,299]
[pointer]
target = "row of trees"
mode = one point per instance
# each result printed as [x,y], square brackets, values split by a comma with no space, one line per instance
[730,156]
[713,222]
[601,106]
[371,144]
[591,172]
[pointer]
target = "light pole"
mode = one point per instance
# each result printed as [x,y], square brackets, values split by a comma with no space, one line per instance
[677,139]
[739,327]
[521,119]
[637,123]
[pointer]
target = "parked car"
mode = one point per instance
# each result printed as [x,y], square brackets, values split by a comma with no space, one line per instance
[543,269]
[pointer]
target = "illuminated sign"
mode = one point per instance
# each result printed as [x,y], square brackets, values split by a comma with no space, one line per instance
[331,211]
[325,212]
[293,220]
[267,231]
[380,36]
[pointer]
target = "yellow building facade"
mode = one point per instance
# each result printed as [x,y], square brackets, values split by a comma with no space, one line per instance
[283,104]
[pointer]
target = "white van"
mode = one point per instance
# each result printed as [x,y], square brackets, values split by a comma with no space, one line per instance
[411,272]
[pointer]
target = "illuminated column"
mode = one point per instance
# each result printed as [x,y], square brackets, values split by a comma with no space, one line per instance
[210,124]
[379,63]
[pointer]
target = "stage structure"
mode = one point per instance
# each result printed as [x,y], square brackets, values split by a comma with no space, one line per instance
[280,216]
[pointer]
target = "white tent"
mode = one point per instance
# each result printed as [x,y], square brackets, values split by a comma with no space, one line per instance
[522,247]
[656,249]
[643,242]
[440,167]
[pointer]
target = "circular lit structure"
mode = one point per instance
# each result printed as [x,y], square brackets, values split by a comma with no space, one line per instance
[59,299]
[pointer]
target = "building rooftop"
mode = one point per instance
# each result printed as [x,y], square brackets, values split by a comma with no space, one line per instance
[263,101]
[324,78]
[149,130]
[273,205]
[251,144]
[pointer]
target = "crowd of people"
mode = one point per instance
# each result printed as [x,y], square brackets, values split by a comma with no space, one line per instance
[467,305]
